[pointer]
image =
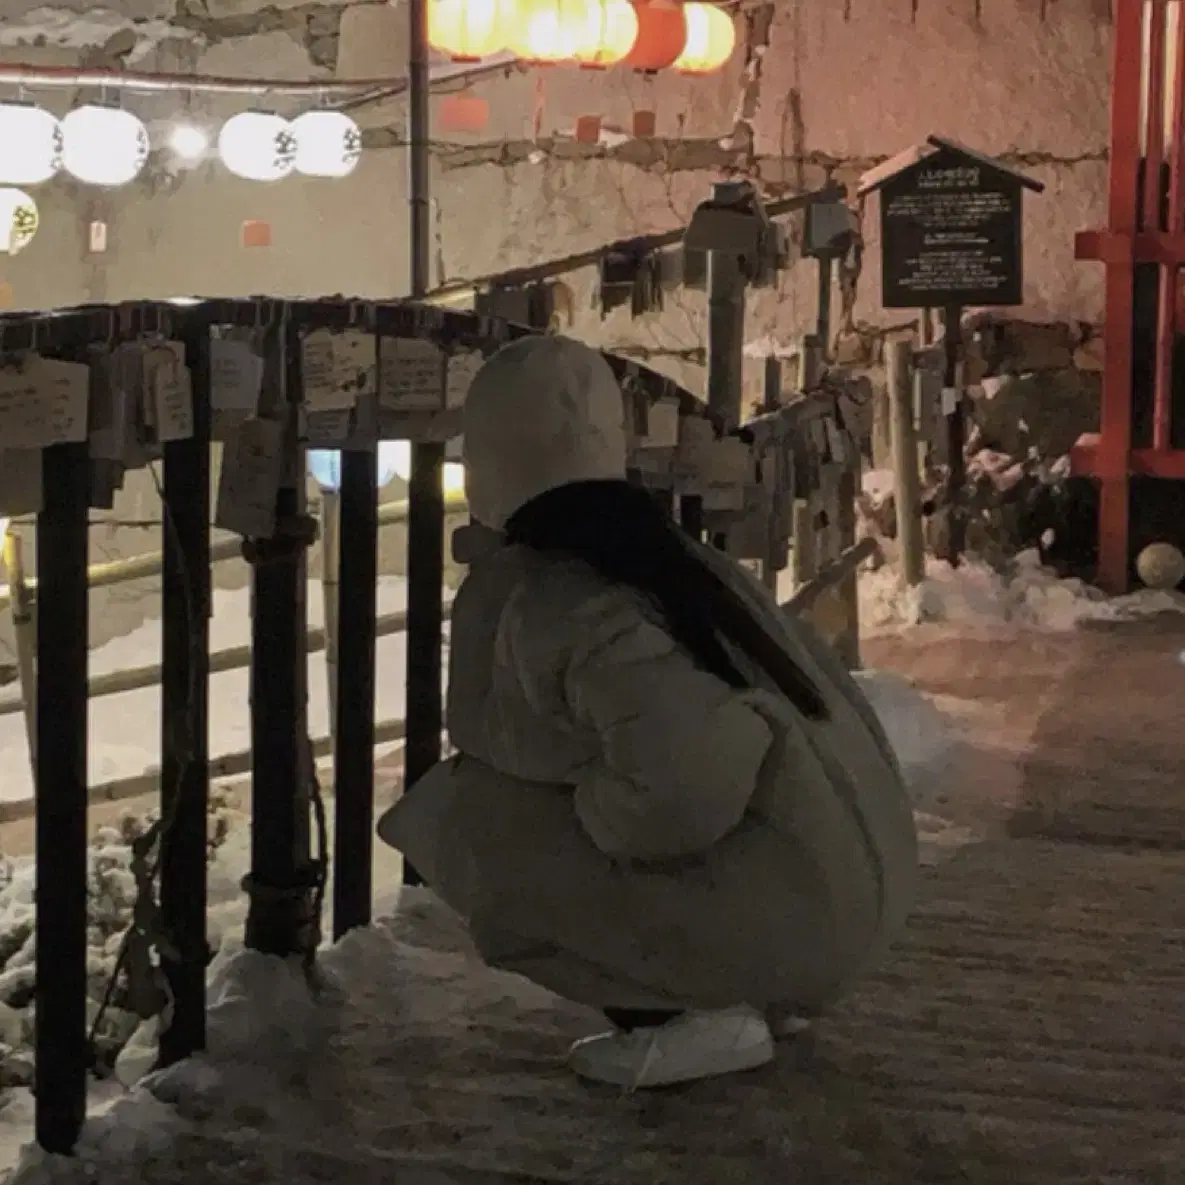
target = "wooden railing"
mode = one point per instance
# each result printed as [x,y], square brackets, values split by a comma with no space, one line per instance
[20,599]
[289,870]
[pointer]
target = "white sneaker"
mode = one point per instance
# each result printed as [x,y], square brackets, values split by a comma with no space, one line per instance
[691,1046]
[784,1025]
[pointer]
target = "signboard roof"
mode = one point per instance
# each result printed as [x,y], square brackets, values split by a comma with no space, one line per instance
[951,228]
[911,158]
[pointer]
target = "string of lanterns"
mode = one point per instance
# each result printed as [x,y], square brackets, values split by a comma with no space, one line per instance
[104,145]
[107,146]
[646,35]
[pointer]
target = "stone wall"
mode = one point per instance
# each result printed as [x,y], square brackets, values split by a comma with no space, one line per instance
[818,89]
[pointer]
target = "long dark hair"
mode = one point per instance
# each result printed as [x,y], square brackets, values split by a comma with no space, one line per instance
[622,533]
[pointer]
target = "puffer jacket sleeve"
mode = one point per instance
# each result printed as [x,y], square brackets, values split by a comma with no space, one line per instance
[681,751]
[798,636]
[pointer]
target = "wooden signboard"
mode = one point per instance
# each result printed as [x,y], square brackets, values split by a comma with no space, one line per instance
[951,228]
[951,239]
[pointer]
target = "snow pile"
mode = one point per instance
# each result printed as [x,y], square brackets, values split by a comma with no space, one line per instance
[1021,593]
[929,747]
[111,897]
[919,733]
[270,1022]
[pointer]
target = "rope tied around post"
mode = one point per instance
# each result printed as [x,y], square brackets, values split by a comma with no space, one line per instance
[299,897]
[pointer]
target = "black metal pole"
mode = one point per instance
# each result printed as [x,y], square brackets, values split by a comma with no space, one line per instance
[282,876]
[426,517]
[60,993]
[354,751]
[185,667]
[425,617]
[952,399]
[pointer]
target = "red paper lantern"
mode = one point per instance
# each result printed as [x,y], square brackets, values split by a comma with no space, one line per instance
[662,34]
[711,38]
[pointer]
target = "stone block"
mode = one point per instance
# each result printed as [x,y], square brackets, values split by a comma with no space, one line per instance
[1089,355]
[1021,346]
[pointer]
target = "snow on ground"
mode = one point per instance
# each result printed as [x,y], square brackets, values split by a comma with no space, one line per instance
[125,729]
[975,595]
[266,1029]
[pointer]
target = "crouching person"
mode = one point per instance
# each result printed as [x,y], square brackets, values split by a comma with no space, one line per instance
[671,802]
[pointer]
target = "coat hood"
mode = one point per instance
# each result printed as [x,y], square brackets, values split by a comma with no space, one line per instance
[542,412]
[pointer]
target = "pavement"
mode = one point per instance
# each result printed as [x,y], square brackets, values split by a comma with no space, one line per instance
[1026,1030]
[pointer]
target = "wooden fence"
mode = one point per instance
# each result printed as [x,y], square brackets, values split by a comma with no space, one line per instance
[801,450]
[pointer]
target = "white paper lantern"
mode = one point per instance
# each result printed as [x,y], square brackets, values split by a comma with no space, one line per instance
[257,146]
[19,220]
[328,144]
[30,144]
[103,145]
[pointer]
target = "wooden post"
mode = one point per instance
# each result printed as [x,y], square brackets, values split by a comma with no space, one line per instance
[802,531]
[771,400]
[952,408]
[354,727]
[62,1051]
[771,385]
[24,630]
[282,882]
[879,433]
[924,411]
[905,469]
[185,700]
[848,591]
[809,364]
[425,617]
[330,563]
[925,329]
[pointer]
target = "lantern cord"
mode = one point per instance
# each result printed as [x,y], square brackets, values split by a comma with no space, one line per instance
[150,82]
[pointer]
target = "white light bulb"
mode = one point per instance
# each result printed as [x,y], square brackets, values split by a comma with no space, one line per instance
[32,144]
[103,145]
[257,146]
[188,142]
[328,144]
[19,220]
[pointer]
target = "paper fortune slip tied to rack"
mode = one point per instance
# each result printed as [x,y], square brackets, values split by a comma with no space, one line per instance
[42,402]
[414,374]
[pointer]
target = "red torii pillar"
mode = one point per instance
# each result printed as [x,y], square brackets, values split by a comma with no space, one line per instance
[1154,233]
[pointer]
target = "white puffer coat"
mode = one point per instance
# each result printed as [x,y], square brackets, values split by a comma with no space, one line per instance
[621,826]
